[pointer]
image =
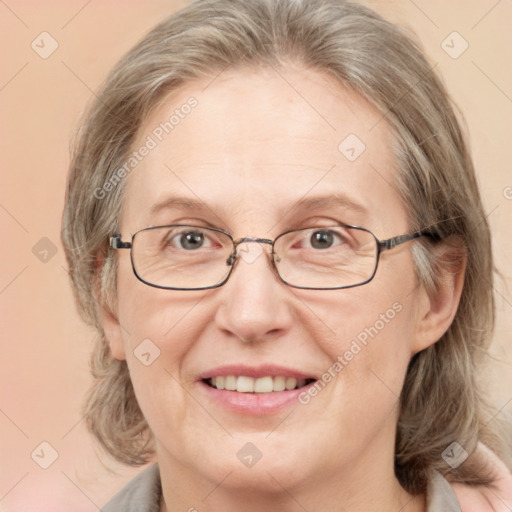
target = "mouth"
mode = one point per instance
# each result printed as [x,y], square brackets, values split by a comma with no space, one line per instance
[247,384]
[254,390]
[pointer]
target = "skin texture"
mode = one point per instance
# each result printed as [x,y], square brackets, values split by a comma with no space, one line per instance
[248,153]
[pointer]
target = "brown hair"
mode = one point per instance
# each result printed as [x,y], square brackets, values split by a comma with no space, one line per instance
[440,402]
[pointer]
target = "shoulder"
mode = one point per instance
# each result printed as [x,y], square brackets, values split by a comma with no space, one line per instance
[484,498]
[496,497]
[142,494]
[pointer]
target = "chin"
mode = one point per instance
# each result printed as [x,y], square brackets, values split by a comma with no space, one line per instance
[255,461]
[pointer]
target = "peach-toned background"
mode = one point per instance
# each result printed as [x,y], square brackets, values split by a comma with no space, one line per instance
[45,346]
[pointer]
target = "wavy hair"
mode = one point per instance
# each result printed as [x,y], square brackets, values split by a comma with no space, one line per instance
[440,401]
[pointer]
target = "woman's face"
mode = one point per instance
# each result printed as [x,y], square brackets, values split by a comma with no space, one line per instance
[258,154]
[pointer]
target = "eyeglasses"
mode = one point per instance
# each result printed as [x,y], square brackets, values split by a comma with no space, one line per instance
[183,257]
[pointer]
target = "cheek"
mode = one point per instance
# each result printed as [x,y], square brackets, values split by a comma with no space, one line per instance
[158,322]
[370,346]
[372,331]
[369,358]
[376,323]
[159,328]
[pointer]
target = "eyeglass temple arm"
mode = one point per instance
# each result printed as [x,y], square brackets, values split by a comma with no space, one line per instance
[116,243]
[390,243]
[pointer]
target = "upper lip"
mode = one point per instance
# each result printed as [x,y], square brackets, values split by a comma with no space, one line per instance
[255,372]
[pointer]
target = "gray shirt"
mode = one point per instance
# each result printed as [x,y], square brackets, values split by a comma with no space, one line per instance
[143,494]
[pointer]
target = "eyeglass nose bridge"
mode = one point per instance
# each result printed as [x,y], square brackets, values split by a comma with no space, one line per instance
[234,256]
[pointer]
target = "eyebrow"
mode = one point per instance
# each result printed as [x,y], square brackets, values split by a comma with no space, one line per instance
[178,202]
[328,201]
[306,203]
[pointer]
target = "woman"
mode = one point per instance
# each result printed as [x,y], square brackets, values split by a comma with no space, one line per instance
[278,235]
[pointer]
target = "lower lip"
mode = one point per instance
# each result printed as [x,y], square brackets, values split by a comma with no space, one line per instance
[253,403]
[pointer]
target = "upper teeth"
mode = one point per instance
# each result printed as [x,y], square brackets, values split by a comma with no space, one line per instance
[244,384]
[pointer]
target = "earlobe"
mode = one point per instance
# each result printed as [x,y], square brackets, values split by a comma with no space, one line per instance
[439,306]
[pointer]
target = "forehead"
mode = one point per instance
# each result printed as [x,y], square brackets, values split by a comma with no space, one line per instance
[248,145]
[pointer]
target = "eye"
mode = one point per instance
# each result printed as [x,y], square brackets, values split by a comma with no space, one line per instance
[187,239]
[325,239]
[191,240]
[321,239]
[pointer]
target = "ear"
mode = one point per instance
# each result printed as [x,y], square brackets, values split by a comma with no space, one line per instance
[437,307]
[112,330]
[108,317]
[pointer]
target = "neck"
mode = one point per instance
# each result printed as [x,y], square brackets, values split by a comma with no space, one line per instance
[366,484]
[325,498]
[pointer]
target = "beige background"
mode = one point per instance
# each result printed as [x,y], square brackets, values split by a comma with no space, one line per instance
[44,354]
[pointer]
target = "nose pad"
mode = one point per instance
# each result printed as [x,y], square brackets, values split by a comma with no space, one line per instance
[249,250]
[249,253]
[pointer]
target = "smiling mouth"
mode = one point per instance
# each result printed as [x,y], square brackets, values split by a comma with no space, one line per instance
[244,384]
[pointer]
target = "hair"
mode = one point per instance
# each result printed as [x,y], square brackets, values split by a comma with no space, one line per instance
[440,401]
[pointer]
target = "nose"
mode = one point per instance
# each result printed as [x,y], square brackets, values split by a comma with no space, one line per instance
[254,304]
